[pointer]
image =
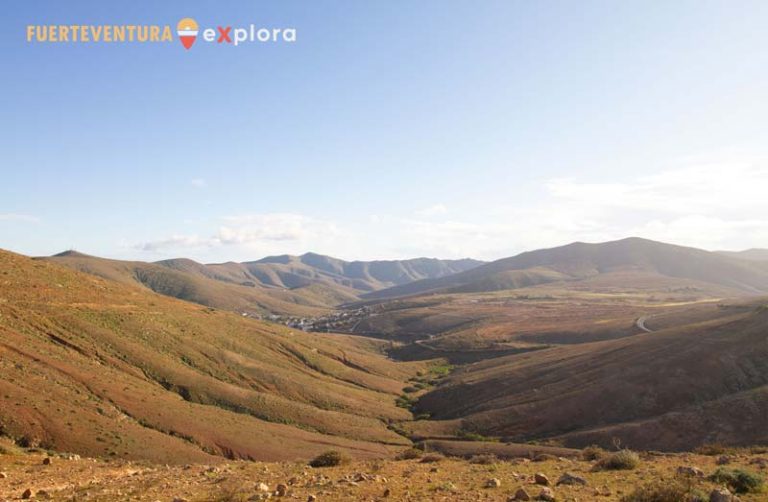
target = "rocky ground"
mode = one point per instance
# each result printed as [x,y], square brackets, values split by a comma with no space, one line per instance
[41,476]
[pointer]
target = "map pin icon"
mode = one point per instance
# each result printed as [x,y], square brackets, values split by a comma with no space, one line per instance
[187,32]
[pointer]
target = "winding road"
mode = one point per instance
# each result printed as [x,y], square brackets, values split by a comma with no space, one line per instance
[640,323]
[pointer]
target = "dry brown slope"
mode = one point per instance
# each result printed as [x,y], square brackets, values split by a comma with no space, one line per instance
[668,390]
[102,368]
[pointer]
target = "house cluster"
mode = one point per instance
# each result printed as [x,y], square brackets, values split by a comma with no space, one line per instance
[342,321]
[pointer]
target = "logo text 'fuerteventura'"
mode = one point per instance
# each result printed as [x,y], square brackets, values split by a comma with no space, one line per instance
[187,31]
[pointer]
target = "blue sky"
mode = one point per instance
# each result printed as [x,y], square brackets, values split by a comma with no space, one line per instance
[387,130]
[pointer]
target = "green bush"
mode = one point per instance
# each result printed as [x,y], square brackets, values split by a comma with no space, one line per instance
[739,480]
[329,459]
[673,490]
[622,460]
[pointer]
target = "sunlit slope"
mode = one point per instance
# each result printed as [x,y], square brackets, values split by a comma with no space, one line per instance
[99,367]
[195,282]
[305,285]
[673,389]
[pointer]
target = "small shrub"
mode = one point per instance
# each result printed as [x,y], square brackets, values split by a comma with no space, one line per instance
[713,449]
[544,457]
[410,389]
[484,459]
[622,460]
[329,459]
[405,401]
[739,480]
[431,458]
[409,454]
[674,490]
[592,453]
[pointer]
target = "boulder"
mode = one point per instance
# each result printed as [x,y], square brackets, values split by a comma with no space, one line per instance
[541,479]
[571,479]
[520,494]
[723,460]
[722,495]
[546,494]
[493,483]
[690,471]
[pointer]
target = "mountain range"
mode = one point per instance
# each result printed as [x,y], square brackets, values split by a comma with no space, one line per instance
[739,273]
[309,284]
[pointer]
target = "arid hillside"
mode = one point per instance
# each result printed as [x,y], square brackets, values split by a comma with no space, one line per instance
[107,368]
[702,379]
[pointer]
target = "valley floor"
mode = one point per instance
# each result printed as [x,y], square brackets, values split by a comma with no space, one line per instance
[76,479]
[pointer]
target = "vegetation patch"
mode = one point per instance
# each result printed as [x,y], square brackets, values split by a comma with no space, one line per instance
[330,458]
[739,480]
[622,460]
[667,490]
[409,454]
[592,453]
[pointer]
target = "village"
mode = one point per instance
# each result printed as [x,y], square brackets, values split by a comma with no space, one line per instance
[342,321]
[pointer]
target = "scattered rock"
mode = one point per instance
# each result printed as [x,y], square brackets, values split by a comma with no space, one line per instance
[571,479]
[546,494]
[311,498]
[28,494]
[3,475]
[722,495]
[520,494]
[690,471]
[180,499]
[262,487]
[493,483]
[281,490]
[723,460]
[387,493]
[47,461]
[434,469]
[541,479]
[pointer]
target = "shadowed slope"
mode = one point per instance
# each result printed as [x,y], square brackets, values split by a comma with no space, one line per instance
[669,390]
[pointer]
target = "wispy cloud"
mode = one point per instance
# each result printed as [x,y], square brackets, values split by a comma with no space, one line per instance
[256,231]
[710,205]
[199,183]
[25,218]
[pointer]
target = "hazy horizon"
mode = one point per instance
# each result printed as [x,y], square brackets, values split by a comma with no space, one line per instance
[388,131]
